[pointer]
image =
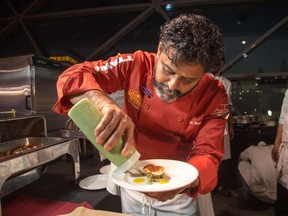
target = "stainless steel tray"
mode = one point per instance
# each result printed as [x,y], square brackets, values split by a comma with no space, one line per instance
[24,167]
[36,143]
[53,147]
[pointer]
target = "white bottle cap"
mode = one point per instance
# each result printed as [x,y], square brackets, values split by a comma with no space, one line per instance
[130,162]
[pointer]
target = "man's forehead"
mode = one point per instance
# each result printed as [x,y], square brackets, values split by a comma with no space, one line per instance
[191,70]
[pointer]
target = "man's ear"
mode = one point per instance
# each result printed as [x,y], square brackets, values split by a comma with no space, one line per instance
[159,49]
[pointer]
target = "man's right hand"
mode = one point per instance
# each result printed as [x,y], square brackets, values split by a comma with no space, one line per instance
[275,153]
[114,124]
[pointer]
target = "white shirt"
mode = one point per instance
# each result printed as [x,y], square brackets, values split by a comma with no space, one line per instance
[284,108]
[227,85]
[284,113]
[282,163]
[259,171]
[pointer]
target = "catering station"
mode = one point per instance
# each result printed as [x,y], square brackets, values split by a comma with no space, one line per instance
[26,148]
[25,153]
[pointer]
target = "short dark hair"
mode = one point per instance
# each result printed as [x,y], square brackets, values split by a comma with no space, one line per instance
[193,38]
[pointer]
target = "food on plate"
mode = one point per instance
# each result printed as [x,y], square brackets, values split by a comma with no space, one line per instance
[138,180]
[150,174]
[156,171]
[163,181]
[153,173]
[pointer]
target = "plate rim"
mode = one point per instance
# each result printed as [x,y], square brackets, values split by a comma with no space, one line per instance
[164,188]
[94,176]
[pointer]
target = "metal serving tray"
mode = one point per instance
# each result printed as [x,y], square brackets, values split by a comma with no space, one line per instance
[23,167]
[37,143]
[52,148]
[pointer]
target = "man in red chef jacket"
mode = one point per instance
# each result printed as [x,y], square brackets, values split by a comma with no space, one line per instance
[172,110]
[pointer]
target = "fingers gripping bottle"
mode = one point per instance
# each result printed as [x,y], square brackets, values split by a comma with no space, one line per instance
[86,116]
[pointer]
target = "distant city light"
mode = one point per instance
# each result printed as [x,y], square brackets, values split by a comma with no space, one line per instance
[269,112]
[243,42]
[245,55]
[168,7]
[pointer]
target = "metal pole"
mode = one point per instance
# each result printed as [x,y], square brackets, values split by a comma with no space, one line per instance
[116,37]
[255,44]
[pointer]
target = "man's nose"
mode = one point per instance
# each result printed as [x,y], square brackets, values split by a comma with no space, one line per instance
[173,83]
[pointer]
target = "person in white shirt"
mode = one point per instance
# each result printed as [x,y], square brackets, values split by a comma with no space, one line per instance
[280,156]
[228,135]
[259,173]
[229,132]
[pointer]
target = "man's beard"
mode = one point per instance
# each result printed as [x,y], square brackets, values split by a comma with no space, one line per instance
[164,93]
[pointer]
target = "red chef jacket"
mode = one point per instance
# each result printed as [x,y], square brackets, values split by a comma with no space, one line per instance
[189,129]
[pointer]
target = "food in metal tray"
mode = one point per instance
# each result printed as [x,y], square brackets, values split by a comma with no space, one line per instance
[19,150]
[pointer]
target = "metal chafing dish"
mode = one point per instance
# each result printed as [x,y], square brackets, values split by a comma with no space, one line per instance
[26,149]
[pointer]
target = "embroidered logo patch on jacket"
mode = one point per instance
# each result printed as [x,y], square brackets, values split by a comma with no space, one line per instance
[135,98]
[221,111]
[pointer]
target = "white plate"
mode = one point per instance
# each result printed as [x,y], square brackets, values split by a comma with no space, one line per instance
[94,182]
[180,174]
[105,169]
